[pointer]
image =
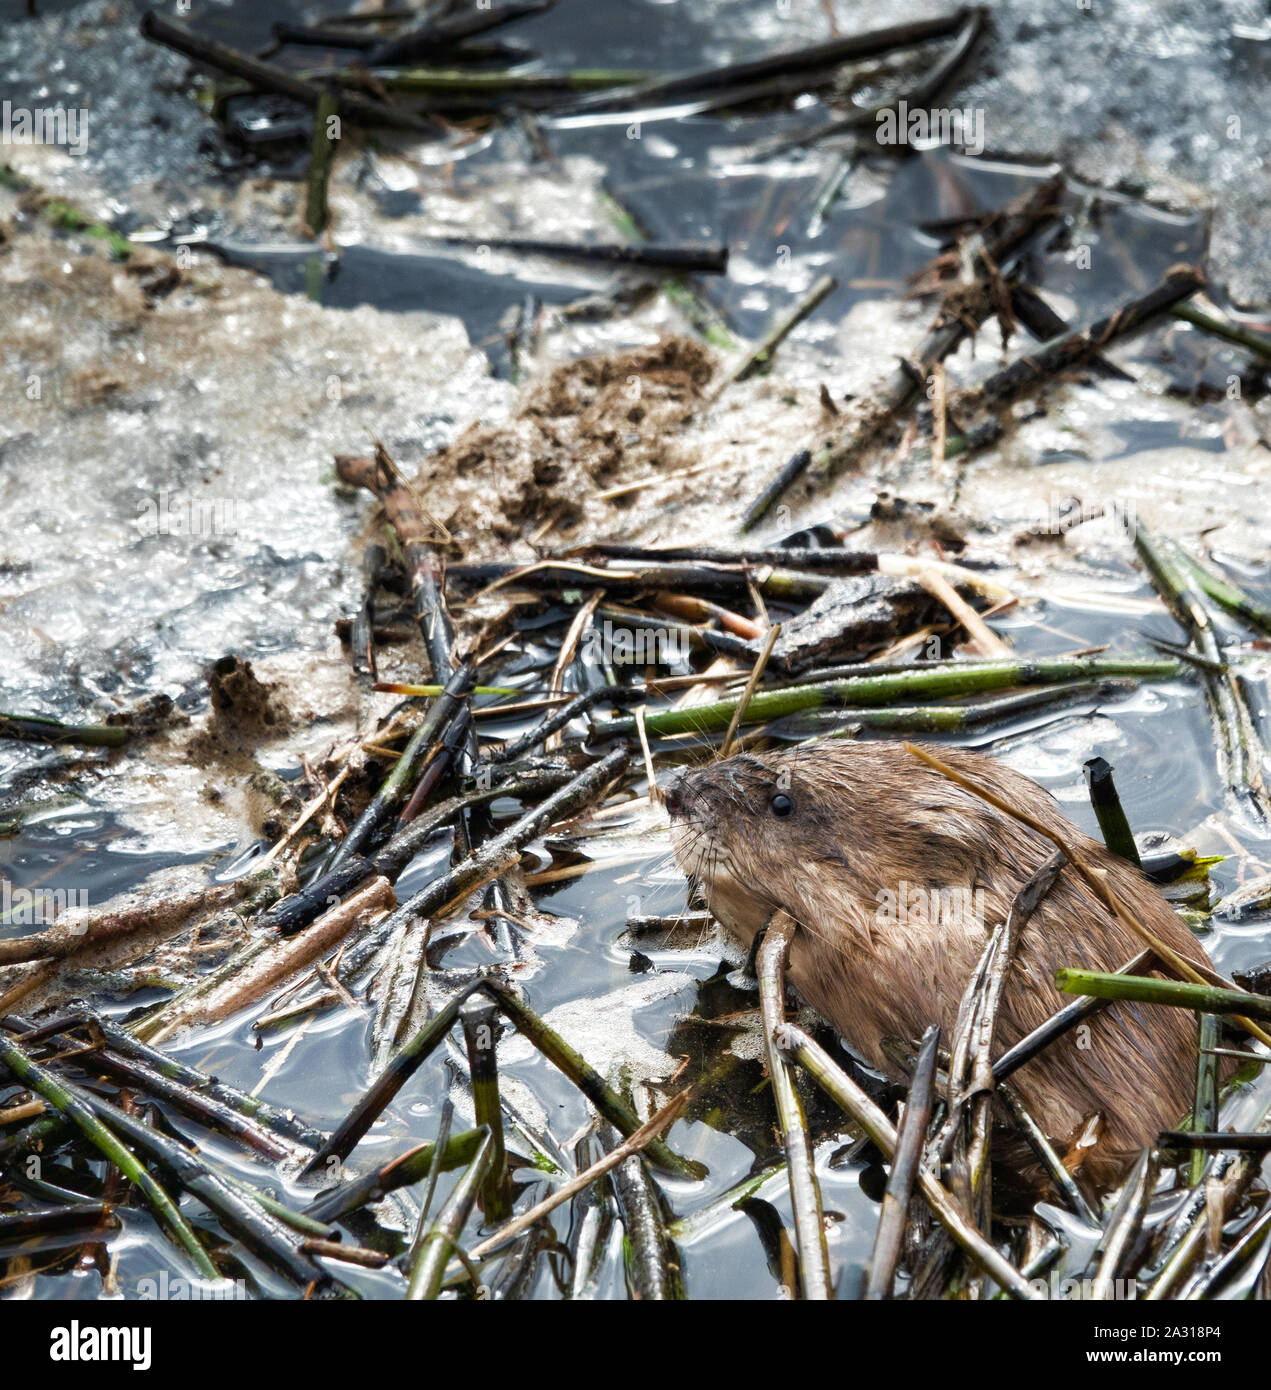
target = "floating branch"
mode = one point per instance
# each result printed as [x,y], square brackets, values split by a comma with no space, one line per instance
[821,55]
[920,94]
[80,1113]
[268,77]
[708,260]
[444,31]
[959,678]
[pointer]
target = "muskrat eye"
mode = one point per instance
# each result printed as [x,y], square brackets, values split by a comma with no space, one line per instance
[781,805]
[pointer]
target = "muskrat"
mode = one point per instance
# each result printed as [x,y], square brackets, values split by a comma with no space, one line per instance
[896,876]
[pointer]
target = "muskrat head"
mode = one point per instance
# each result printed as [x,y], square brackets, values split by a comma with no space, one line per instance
[758,832]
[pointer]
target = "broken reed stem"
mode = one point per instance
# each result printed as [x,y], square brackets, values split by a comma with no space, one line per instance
[443,1237]
[1204,1118]
[854,1102]
[971,1065]
[404,1171]
[1114,825]
[1096,880]
[263,964]
[479,1019]
[910,1139]
[1045,1151]
[35,728]
[1240,751]
[832,53]
[763,350]
[589,1081]
[987,642]
[743,701]
[805,1192]
[653,1264]
[958,678]
[407,768]
[207,1110]
[1233,333]
[1075,349]
[268,77]
[1124,1223]
[38,1079]
[633,1144]
[1144,989]
[1058,1024]
[493,856]
[1230,596]
[326,136]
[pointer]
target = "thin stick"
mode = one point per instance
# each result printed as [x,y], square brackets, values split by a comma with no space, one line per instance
[633,1144]
[987,642]
[764,349]
[900,1182]
[756,676]
[847,1094]
[435,1248]
[103,1139]
[267,77]
[805,1192]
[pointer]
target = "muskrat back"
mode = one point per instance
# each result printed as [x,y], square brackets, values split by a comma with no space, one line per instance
[897,877]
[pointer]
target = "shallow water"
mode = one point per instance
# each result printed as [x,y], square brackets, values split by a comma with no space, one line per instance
[99,613]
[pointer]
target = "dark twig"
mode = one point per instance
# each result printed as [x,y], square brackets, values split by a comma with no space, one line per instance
[268,77]
[805,1191]
[910,1138]
[1110,814]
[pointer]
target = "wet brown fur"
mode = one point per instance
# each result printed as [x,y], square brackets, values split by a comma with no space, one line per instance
[869,816]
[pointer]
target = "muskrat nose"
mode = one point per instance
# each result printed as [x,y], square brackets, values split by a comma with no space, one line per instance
[675,799]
